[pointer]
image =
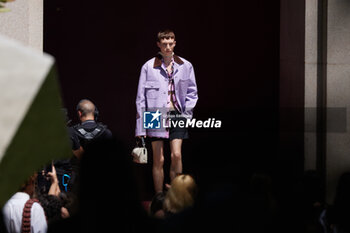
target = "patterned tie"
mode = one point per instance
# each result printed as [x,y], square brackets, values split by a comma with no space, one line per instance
[171,88]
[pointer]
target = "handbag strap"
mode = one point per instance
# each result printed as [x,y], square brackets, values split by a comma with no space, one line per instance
[26,226]
[143,142]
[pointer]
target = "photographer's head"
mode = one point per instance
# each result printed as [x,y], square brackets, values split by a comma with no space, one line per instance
[86,110]
[29,185]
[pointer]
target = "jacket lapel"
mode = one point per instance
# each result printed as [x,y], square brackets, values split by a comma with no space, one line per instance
[157,61]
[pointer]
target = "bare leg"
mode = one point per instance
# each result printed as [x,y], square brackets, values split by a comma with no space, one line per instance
[176,158]
[158,162]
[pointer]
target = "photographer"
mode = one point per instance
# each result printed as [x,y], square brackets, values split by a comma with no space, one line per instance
[88,131]
[53,201]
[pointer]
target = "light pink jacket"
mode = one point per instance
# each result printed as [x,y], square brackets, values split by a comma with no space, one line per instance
[152,92]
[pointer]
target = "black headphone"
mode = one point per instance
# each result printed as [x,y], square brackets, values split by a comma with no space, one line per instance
[96,112]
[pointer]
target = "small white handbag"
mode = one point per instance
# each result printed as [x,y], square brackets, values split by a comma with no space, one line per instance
[140,153]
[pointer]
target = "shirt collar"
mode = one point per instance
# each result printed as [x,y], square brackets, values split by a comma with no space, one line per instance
[158,60]
[163,64]
[87,122]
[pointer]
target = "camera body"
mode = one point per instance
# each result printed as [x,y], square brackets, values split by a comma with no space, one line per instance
[65,176]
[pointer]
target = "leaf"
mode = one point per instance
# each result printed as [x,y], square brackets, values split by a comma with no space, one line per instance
[5,9]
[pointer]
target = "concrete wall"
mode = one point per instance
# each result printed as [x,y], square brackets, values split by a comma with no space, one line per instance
[24,22]
[310,84]
[338,90]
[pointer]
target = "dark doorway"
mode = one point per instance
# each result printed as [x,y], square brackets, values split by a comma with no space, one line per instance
[233,46]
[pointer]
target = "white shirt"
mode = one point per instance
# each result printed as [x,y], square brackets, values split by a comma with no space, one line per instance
[13,210]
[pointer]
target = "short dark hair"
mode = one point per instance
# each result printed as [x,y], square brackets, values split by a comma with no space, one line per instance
[86,107]
[165,34]
[52,206]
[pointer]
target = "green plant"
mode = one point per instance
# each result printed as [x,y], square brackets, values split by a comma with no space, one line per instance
[2,5]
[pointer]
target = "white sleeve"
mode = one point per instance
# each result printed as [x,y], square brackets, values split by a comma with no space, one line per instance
[38,219]
[7,215]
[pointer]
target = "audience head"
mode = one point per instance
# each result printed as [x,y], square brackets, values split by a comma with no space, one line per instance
[29,185]
[156,207]
[181,194]
[343,188]
[52,206]
[86,110]
[342,197]
[69,205]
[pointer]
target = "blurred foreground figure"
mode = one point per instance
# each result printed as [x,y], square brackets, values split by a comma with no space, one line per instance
[181,194]
[23,213]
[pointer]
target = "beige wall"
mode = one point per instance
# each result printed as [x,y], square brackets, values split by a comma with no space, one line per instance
[338,89]
[310,84]
[24,22]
